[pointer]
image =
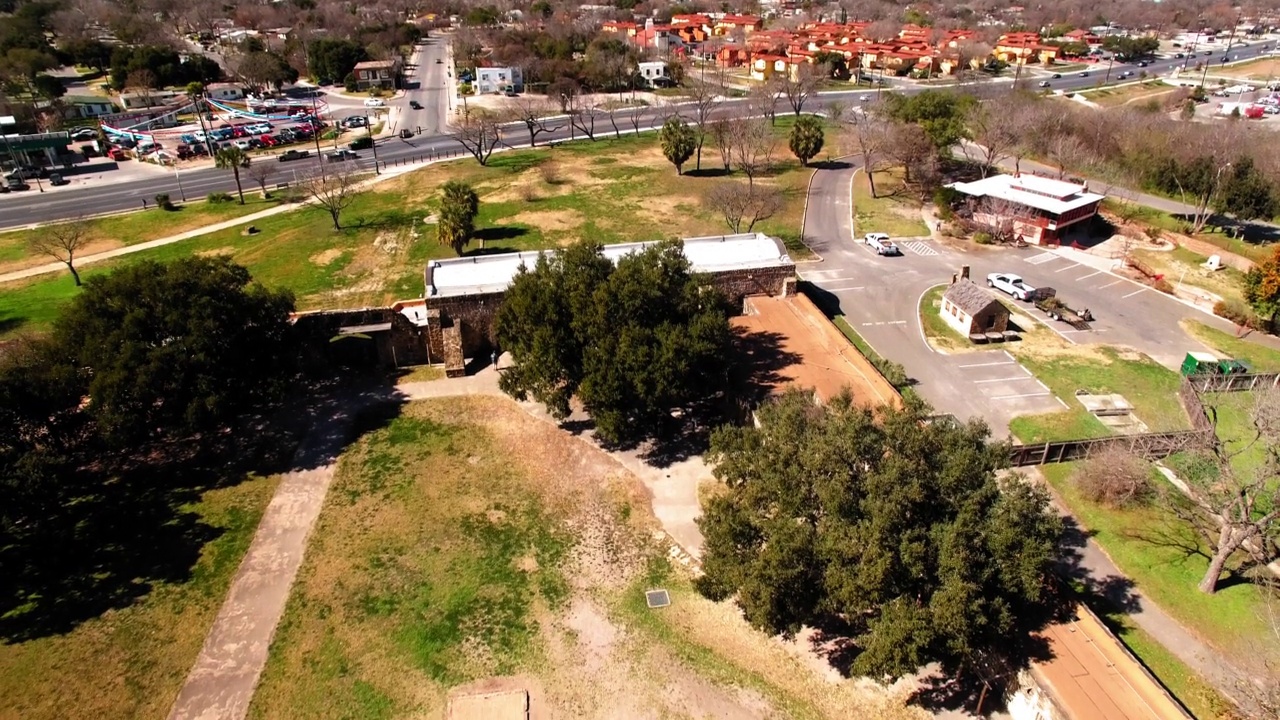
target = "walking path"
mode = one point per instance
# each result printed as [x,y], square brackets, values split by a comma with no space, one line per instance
[221,683]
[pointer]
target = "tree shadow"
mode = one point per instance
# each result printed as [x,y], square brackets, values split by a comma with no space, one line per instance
[124,522]
[506,232]
[708,173]
[9,323]
[830,165]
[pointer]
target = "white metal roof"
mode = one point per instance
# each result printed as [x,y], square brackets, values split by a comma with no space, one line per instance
[481,274]
[1041,193]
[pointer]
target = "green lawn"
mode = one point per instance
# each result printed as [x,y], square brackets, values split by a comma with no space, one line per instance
[1143,215]
[1161,555]
[936,330]
[131,662]
[132,228]
[892,211]
[1148,386]
[612,190]
[1259,357]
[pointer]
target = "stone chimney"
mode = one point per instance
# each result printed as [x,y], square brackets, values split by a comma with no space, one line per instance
[964,272]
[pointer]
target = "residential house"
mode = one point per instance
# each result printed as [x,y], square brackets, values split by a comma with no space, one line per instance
[654,72]
[224,91]
[626,29]
[731,56]
[730,24]
[971,310]
[147,99]
[382,74]
[1082,36]
[499,79]
[86,106]
[1020,48]
[766,67]
[1038,210]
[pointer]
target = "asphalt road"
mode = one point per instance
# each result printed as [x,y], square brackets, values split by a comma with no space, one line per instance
[27,208]
[429,87]
[880,296]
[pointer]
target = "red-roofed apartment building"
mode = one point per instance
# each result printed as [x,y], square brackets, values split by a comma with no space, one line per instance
[732,23]
[1023,47]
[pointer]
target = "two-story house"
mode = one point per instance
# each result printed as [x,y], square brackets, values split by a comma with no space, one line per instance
[383,74]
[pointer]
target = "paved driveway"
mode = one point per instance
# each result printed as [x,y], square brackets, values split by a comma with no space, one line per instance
[880,296]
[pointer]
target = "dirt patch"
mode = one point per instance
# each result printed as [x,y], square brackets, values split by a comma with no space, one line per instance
[228,250]
[323,259]
[555,221]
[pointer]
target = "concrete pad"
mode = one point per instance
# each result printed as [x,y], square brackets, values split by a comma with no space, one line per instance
[506,705]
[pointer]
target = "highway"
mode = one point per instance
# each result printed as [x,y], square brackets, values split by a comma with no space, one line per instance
[27,208]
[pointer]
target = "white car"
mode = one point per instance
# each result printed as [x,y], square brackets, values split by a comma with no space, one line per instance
[1011,284]
[243,144]
[374,102]
[881,243]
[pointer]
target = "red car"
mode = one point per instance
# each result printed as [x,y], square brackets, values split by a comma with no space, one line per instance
[117,154]
[268,141]
[239,131]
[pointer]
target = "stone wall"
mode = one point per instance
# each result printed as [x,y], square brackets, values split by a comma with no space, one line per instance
[403,344]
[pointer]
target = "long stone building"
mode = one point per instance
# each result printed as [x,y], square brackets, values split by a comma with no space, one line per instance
[454,319]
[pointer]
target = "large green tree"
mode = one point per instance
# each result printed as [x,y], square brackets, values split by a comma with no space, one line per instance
[1246,192]
[806,138]
[893,523]
[172,349]
[458,207]
[330,61]
[1262,287]
[633,343]
[940,113]
[678,141]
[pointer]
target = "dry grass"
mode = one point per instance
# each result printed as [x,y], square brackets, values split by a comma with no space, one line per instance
[466,540]
[1183,267]
[130,663]
[1261,69]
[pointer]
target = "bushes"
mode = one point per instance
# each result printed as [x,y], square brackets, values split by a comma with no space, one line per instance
[164,203]
[946,199]
[983,238]
[1237,312]
[349,83]
[1116,479]
[1163,286]
[218,197]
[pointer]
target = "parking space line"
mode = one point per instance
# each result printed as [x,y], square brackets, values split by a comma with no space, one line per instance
[851,287]
[1086,277]
[1009,379]
[1040,259]
[1103,287]
[1069,267]
[1023,395]
[1135,292]
[1009,362]
[885,322]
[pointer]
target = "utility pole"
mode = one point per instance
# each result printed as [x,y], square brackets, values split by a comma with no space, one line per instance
[1110,62]
[373,145]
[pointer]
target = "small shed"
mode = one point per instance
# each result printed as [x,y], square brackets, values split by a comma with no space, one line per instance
[970,309]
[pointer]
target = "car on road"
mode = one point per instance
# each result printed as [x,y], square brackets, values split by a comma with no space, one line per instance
[1125,74]
[1084,74]
[342,156]
[84,134]
[1179,56]
[406,133]
[288,155]
[374,102]
[415,104]
[1144,63]
[1012,285]
[438,61]
[881,243]
[1208,52]
[1044,83]
[56,179]
[356,121]
[361,143]
[1056,76]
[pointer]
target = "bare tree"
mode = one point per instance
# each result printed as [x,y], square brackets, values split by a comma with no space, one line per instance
[533,112]
[334,190]
[261,173]
[702,94]
[871,136]
[1115,478]
[762,100]
[478,133]
[583,113]
[721,132]
[141,82]
[61,241]
[909,146]
[993,130]
[751,145]
[744,205]
[1235,506]
[798,89]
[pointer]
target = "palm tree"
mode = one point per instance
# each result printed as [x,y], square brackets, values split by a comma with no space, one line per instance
[458,207]
[233,158]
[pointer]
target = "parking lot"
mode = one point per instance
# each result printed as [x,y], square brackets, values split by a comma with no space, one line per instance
[1127,312]
[994,385]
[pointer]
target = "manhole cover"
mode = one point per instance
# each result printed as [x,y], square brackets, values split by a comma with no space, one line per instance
[657,598]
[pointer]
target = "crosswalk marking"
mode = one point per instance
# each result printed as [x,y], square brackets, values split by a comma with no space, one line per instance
[1042,258]
[919,248]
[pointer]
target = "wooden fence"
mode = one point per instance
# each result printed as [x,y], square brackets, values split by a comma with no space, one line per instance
[1151,446]
[1232,383]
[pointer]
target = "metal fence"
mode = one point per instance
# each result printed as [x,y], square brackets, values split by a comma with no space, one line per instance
[1232,383]
[1151,446]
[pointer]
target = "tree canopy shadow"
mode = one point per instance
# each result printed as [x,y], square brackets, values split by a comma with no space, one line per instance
[830,165]
[506,232]
[708,172]
[123,523]
[9,323]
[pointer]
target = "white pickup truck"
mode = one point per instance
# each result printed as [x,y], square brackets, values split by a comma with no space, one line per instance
[1013,285]
[881,243]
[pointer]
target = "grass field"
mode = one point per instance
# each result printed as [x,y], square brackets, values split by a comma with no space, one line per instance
[1148,386]
[892,211]
[116,231]
[612,190]
[466,540]
[1128,94]
[1184,268]
[1259,357]
[1261,69]
[131,662]
[1169,222]
[1151,547]
[936,330]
